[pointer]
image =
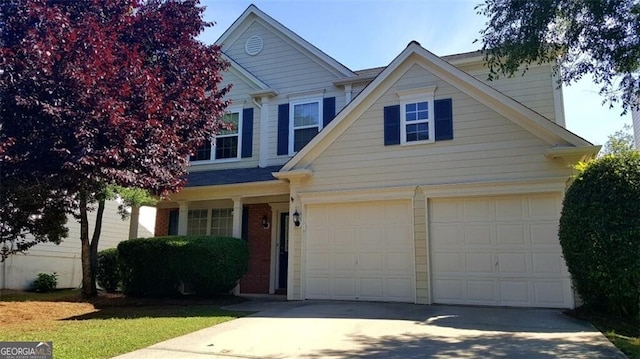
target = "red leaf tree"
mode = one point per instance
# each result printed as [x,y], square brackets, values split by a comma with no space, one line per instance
[102,92]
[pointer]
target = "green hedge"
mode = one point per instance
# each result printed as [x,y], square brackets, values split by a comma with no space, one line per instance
[108,274]
[600,233]
[159,267]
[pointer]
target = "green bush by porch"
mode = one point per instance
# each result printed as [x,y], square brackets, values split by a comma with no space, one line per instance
[163,266]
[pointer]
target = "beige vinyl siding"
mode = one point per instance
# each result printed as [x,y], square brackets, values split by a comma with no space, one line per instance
[420,243]
[288,70]
[533,89]
[280,65]
[240,99]
[486,147]
[64,259]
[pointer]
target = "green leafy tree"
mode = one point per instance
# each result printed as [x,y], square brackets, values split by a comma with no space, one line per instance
[100,93]
[600,233]
[601,38]
[620,142]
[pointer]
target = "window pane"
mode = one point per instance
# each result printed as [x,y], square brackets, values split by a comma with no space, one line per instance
[423,115]
[410,107]
[227,147]
[418,132]
[222,222]
[302,137]
[411,116]
[306,114]
[203,153]
[233,119]
[423,106]
[197,222]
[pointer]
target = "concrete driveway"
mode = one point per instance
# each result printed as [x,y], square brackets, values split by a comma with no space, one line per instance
[319,329]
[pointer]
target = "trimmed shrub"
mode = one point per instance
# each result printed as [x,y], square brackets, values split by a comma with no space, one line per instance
[108,273]
[160,267]
[45,282]
[600,233]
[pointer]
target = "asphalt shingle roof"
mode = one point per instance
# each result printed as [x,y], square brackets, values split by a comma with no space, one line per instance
[231,176]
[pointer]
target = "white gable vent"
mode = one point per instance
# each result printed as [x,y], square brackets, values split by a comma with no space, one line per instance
[253,46]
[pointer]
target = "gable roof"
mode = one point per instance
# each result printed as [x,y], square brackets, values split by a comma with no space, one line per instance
[506,106]
[252,12]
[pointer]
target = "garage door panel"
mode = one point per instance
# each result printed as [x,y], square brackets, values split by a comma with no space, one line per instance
[319,239]
[370,236]
[478,210]
[343,238]
[481,291]
[398,236]
[369,215]
[545,233]
[545,263]
[399,289]
[514,263]
[444,235]
[448,262]
[478,234]
[515,292]
[371,288]
[319,287]
[370,262]
[344,287]
[342,216]
[319,262]
[544,207]
[342,261]
[511,233]
[509,209]
[479,262]
[398,262]
[510,255]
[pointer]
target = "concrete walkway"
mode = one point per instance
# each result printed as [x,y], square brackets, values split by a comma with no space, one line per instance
[319,329]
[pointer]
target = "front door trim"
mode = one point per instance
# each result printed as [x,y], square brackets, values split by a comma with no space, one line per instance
[276,210]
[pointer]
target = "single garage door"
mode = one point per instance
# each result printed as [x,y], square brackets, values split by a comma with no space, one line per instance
[498,251]
[360,251]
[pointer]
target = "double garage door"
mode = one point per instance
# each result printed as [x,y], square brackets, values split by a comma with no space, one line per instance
[500,250]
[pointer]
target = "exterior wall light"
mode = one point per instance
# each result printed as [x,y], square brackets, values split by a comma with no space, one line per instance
[296,218]
[265,222]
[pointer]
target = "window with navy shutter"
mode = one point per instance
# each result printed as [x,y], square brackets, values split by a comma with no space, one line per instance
[247,132]
[392,125]
[283,129]
[418,119]
[328,110]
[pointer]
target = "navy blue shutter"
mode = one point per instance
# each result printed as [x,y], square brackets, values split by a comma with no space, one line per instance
[443,119]
[283,129]
[174,215]
[247,133]
[328,110]
[392,125]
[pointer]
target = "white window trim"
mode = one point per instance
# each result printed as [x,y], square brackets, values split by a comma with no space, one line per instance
[301,101]
[425,94]
[213,144]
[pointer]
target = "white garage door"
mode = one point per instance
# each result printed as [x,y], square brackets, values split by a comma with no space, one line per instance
[498,251]
[360,251]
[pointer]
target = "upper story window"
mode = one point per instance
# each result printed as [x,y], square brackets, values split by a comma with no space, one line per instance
[225,145]
[417,116]
[306,123]
[300,120]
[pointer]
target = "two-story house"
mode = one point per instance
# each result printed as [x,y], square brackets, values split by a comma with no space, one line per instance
[417,182]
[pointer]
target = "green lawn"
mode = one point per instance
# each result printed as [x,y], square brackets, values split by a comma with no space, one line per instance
[100,333]
[623,332]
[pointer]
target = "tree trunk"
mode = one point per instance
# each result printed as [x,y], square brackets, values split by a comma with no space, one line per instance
[94,243]
[90,248]
[88,285]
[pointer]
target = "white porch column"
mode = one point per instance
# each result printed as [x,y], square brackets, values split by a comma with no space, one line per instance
[237,217]
[264,132]
[183,217]
[134,222]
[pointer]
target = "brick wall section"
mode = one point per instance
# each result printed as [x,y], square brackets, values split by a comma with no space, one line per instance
[256,281]
[162,222]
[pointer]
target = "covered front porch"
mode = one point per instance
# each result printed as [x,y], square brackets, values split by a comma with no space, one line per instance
[256,211]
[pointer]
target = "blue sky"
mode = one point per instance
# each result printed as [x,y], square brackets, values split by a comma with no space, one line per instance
[370,33]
